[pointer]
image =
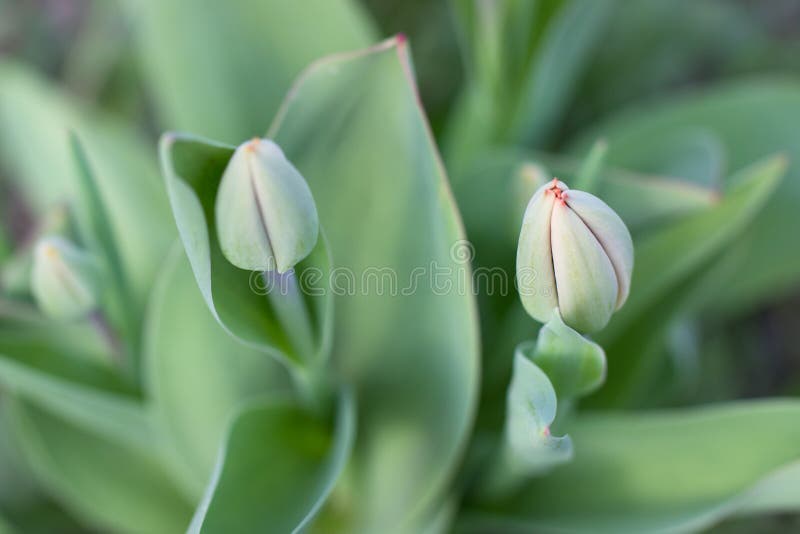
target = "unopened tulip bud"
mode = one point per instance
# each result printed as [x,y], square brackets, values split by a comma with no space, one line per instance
[65,281]
[266,216]
[574,254]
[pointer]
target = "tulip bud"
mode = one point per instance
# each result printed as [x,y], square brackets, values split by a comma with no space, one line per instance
[65,281]
[266,216]
[574,254]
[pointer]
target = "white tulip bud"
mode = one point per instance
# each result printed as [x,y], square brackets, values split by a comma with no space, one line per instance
[265,215]
[574,254]
[65,281]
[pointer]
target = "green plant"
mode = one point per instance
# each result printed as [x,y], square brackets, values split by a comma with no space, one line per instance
[393,381]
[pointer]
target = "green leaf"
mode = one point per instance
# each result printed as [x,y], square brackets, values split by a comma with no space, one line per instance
[690,154]
[354,128]
[38,362]
[574,365]
[565,48]
[220,69]
[95,223]
[678,471]
[193,168]
[92,214]
[6,528]
[112,415]
[107,482]
[668,264]
[523,60]
[277,468]
[642,200]
[34,124]
[558,367]
[197,376]
[528,447]
[17,486]
[750,120]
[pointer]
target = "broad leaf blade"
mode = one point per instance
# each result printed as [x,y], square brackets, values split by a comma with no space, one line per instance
[677,471]
[276,470]
[197,376]
[105,481]
[353,127]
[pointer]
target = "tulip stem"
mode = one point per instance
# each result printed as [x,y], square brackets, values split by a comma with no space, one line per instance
[289,305]
[310,386]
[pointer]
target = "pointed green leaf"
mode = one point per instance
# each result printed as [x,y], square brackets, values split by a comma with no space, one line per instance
[668,266]
[673,471]
[558,367]
[528,447]
[384,202]
[749,120]
[95,228]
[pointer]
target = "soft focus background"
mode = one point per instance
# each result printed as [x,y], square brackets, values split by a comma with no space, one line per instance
[650,57]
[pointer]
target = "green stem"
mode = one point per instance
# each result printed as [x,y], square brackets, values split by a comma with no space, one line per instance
[311,387]
[289,306]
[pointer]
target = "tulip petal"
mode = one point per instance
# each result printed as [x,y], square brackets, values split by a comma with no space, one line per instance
[240,228]
[286,205]
[612,234]
[535,277]
[585,278]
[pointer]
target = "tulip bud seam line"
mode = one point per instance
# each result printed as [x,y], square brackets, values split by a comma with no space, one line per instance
[252,148]
[554,189]
[603,247]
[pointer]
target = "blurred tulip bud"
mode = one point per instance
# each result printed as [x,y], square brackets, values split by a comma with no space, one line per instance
[65,281]
[266,216]
[574,254]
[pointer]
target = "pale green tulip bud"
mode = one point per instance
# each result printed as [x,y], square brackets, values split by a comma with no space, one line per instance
[65,281]
[574,254]
[266,216]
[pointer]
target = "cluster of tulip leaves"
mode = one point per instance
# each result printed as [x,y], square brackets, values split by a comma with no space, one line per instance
[446,411]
